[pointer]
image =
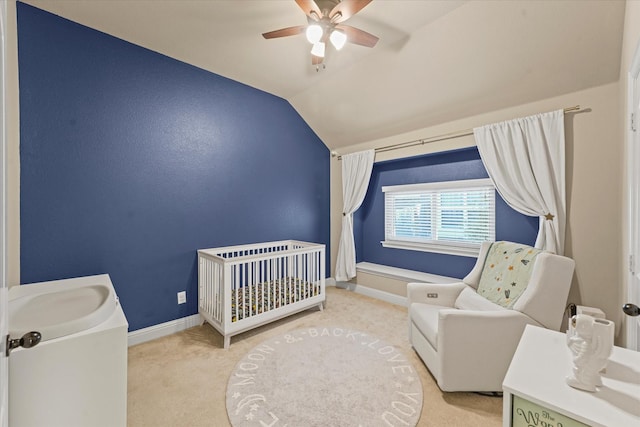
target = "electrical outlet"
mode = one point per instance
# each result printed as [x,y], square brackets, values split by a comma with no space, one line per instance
[182,297]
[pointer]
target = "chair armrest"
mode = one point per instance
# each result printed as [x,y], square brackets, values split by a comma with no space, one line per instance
[482,341]
[444,294]
[489,327]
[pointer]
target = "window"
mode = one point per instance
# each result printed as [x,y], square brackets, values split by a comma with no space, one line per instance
[447,217]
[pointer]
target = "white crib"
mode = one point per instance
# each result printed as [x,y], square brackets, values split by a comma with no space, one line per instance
[242,287]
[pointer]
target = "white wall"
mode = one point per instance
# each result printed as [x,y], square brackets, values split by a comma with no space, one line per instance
[594,185]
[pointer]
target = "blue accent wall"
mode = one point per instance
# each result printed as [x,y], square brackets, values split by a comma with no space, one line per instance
[131,161]
[447,166]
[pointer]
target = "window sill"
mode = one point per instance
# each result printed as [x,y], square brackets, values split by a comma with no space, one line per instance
[440,249]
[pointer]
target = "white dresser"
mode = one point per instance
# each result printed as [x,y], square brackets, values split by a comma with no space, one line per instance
[536,394]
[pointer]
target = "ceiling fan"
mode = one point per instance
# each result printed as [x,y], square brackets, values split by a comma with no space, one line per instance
[325,22]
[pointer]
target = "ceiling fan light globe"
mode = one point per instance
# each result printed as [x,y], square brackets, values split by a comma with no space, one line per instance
[314,33]
[318,49]
[338,39]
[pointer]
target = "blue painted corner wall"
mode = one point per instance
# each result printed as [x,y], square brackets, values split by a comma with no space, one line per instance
[130,161]
[447,166]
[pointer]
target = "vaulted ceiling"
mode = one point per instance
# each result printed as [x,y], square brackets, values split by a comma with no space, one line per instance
[436,61]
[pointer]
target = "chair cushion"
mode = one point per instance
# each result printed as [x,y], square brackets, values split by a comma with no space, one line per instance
[425,317]
[470,300]
[506,272]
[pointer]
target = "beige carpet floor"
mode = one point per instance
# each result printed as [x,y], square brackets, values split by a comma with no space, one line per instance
[180,380]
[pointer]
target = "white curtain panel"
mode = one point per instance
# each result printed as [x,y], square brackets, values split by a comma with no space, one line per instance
[525,159]
[356,173]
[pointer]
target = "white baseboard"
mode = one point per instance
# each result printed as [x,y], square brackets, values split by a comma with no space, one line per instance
[374,293]
[330,281]
[163,329]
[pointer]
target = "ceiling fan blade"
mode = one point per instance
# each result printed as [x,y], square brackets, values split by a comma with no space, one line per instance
[310,8]
[346,9]
[357,36]
[284,32]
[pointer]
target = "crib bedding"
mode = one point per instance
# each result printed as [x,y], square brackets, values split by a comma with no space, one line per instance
[262,297]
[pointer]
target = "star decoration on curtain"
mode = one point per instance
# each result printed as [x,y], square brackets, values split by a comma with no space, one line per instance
[549,216]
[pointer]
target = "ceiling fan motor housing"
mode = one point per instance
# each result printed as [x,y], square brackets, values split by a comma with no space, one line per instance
[326,6]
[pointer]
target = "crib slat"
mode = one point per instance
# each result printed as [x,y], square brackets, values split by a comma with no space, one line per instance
[254,289]
[305,280]
[246,289]
[218,291]
[263,286]
[234,287]
[206,287]
[302,273]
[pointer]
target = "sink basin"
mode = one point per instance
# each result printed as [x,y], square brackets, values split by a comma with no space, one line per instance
[60,308]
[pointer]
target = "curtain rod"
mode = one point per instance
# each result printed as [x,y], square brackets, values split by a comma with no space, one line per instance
[443,137]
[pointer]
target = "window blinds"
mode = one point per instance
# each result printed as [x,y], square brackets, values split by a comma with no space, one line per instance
[450,213]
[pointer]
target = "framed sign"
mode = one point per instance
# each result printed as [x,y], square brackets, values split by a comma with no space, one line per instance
[528,414]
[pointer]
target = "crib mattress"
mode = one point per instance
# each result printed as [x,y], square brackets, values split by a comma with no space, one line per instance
[258,298]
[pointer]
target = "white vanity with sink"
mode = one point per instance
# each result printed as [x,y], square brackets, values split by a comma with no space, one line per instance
[77,374]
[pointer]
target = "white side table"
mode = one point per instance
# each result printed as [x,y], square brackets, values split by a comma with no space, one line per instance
[536,393]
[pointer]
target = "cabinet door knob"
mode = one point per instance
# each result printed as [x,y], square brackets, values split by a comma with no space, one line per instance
[28,340]
[631,309]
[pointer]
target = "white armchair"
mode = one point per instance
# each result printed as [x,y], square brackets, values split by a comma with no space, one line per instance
[467,332]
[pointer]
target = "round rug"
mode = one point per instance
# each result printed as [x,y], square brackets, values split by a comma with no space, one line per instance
[324,377]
